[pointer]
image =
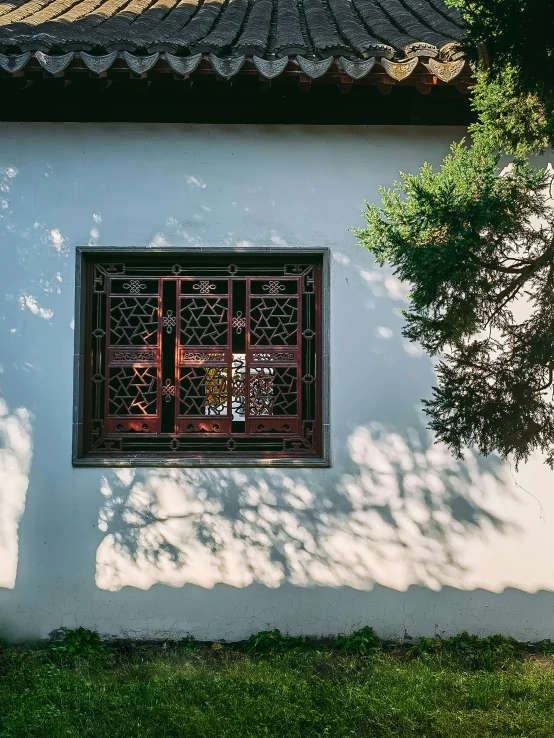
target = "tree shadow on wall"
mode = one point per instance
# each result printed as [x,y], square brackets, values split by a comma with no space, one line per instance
[393,511]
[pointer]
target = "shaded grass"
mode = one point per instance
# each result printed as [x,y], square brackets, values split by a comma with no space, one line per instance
[187,691]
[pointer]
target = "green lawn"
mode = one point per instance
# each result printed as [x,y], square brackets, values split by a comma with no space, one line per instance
[146,692]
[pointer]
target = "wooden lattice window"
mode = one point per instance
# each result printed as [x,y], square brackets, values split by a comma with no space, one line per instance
[214,357]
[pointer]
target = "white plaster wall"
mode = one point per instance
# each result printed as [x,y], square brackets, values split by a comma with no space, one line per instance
[397,534]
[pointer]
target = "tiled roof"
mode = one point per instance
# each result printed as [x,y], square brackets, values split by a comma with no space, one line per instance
[266,29]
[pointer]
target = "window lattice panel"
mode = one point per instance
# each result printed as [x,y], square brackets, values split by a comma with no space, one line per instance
[203,359]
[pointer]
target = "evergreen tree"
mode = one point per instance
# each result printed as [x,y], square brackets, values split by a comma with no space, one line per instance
[475,240]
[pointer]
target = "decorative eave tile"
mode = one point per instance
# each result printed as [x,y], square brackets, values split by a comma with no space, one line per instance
[447,71]
[14,64]
[381,50]
[399,70]
[420,48]
[54,64]
[270,68]
[226,68]
[140,64]
[183,65]
[314,68]
[452,51]
[98,64]
[356,69]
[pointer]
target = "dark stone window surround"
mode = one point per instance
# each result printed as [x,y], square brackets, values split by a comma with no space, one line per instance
[83,257]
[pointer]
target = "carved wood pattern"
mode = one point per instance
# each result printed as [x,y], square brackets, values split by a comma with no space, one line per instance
[207,386]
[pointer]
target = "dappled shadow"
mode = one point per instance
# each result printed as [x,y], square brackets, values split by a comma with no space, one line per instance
[395,516]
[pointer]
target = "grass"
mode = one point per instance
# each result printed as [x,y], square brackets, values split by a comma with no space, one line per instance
[186,690]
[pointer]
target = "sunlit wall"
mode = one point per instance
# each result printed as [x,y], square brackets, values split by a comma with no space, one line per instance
[396,534]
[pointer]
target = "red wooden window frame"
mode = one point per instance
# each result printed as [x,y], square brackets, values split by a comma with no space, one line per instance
[201,358]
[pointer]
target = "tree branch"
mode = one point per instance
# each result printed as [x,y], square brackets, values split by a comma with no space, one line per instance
[500,268]
[550,378]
